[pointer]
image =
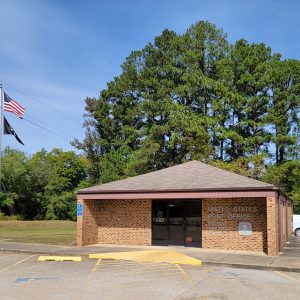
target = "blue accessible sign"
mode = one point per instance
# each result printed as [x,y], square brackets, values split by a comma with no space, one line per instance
[79,209]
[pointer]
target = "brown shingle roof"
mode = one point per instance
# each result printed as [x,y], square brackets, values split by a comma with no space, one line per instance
[190,176]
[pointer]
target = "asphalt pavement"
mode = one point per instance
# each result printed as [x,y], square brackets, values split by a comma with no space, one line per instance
[288,260]
[23,276]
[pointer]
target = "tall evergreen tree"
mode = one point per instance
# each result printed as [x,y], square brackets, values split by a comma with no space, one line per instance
[194,96]
[284,106]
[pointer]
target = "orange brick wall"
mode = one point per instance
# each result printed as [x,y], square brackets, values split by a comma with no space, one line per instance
[290,225]
[119,222]
[129,222]
[285,221]
[220,220]
[124,222]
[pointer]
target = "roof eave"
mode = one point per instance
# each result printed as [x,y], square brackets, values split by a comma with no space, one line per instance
[266,188]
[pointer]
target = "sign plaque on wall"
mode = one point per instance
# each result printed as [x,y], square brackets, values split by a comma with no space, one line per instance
[79,209]
[245,228]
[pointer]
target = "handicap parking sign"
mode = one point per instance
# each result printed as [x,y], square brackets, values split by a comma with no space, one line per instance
[79,210]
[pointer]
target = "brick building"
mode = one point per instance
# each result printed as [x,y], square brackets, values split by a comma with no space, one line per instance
[192,204]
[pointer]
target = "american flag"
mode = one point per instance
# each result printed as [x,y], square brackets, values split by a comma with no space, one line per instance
[12,106]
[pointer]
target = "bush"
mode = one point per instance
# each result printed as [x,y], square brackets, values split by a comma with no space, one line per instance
[10,218]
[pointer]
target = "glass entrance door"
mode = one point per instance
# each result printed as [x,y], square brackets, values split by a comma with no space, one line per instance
[193,222]
[160,222]
[176,222]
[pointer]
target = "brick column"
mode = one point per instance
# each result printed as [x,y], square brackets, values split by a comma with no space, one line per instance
[289,224]
[272,226]
[79,227]
[87,228]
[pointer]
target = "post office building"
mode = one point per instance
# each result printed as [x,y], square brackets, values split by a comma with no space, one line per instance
[192,204]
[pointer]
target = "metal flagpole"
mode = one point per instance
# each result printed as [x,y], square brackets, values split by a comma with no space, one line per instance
[1,132]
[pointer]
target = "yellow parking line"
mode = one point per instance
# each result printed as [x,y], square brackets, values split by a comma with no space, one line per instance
[134,269]
[138,266]
[185,274]
[287,276]
[190,280]
[16,263]
[149,272]
[134,263]
[95,266]
[140,271]
[85,282]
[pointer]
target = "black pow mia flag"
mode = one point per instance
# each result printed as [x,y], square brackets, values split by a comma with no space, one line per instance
[7,129]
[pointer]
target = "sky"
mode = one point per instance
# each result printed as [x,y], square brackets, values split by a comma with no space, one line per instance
[54,54]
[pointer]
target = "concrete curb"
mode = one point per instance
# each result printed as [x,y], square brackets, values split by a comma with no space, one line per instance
[285,269]
[204,263]
[239,266]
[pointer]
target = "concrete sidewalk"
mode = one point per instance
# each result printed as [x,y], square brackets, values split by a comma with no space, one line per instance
[288,261]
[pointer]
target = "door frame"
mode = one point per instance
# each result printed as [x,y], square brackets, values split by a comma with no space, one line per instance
[184,231]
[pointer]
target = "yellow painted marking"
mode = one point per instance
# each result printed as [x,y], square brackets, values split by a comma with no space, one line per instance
[153,256]
[161,274]
[59,258]
[149,270]
[128,263]
[190,280]
[194,262]
[96,265]
[85,283]
[139,267]
[104,267]
[287,276]
[185,274]
[16,263]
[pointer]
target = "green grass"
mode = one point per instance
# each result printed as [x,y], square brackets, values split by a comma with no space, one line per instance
[39,232]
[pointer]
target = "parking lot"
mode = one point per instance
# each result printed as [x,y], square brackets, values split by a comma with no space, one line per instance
[23,277]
